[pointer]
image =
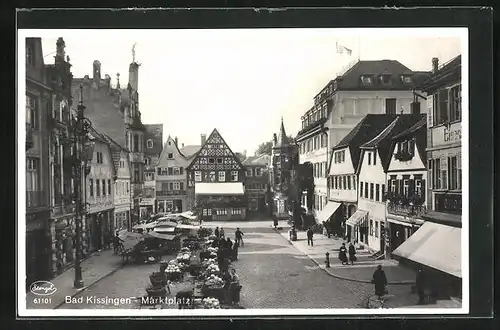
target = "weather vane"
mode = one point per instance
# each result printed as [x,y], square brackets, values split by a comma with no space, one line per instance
[133,52]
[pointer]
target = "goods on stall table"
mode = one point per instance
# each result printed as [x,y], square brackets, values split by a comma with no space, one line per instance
[213,268]
[173,272]
[211,303]
[214,281]
[213,249]
[184,257]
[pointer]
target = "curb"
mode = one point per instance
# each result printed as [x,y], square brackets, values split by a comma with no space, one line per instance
[341,277]
[91,284]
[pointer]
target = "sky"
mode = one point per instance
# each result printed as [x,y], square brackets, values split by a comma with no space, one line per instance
[239,81]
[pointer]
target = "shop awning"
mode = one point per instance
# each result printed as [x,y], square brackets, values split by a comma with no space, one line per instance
[219,188]
[164,229]
[167,237]
[435,245]
[327,211]
[356,218]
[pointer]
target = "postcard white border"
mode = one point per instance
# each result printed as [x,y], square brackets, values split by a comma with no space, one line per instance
[461,33]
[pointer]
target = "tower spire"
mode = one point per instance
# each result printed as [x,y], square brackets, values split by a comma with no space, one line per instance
[282,138]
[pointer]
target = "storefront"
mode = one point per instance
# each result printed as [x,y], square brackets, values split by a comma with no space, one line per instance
[121,219]
[331,215]
[38,249]
[221,200]
[357,227]
[99,228]
[440,257]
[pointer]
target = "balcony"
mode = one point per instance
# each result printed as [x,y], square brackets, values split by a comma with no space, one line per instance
[35,199]
[62,209]
[170,193]
[414,211]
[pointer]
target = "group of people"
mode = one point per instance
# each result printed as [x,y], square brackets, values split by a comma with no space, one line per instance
[344,252]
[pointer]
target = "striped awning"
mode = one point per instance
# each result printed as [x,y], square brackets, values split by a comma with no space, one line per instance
[356,218]
[327,211]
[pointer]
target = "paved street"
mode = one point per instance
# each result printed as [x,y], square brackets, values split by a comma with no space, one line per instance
[273,274]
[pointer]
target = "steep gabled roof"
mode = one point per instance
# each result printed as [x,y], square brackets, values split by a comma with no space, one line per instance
[214,133]
[190,150]
[112,146]
[259,160]
[368,128]
[383,141]
[408,132]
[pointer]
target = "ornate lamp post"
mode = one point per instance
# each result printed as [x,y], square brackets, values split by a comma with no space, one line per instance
[82,153]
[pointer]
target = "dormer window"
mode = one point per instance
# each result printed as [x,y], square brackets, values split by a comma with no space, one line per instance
[385,79]
[366,80]
[406,79]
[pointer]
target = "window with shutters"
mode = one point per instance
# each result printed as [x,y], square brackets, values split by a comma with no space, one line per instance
[344,182]
[349,182]
[222,176]
[456,103]
[393,186]
[406,187]
[418,185]
[335,181]
[176,186]
[366,189]
[104,187]
[371,191]
[197,176]
[377,192]
[361,189]
[453,173]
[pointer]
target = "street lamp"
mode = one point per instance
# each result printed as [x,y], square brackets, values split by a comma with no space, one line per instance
[82,152]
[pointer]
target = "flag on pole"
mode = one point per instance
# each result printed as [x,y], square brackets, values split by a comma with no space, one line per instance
[342,49]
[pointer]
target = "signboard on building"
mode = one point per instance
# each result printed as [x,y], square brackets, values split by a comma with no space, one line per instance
[443,135]
[448,203]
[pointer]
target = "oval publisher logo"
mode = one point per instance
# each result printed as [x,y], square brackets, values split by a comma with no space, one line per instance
[43,288]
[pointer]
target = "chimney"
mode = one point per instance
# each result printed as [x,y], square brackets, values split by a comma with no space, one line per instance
[176,141]
[203,139]
[435,64]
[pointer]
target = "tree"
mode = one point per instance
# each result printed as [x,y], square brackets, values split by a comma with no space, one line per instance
[266,148]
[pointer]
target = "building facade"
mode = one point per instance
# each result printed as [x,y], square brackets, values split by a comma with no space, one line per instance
[284,155]
[372,168]
[171,178]
[406,184]
[152,150]
[376,87]
[39,103]
[443,219]
[100,189]
[342,174]
[215,181]
[114,113]
[257,183]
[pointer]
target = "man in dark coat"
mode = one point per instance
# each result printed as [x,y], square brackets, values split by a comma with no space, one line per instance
[420,286]
[352,253]
[236,245]
[216,232]
[238,234]
[343,254]
[310,235]
[380,281]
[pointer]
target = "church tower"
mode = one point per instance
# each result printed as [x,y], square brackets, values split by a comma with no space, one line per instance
[135,131]
[284,159]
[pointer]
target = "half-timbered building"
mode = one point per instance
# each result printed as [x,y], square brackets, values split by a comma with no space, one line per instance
[215,181]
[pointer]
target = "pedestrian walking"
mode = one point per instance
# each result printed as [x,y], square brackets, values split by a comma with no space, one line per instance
[343,254]
[310,235]
[221,233]
[216,232]
[229,244]
[420,286]
[236,245]
[239,237]
[380,281]
[352,253]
